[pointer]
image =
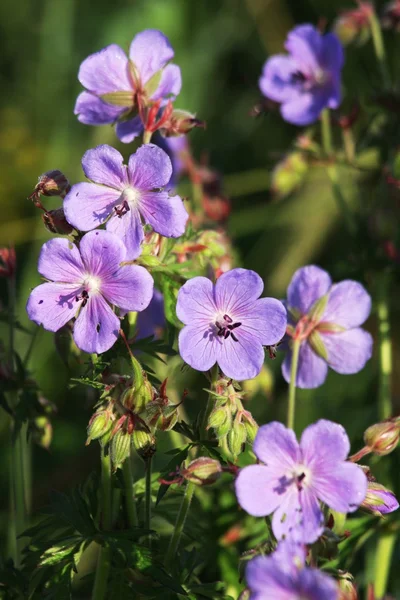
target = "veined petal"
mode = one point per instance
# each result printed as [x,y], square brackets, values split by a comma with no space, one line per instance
[149,168]
[242,359]
[53,304]
[130,288]
[276,79]
[254,487]
[196,301]
[166,214]
[349,304]
[286,521]
[104,165]
[129,229]
[266,321]
[236,290]
[198,347]
[105,71]
[348,351]
[342,486]
[312,517]
[93,111]
[87,205]
[308,284]
[150,51]
[268,581]
[316,585]
[102,252]
[277,447]
[304,43]
[170,84]
[305,107]
[324,442]
[97,327]
[129,129]
[332,54]
[60,260]
[311,370]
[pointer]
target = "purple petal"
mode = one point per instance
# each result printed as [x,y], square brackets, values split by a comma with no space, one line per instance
[60,260]
[130,288]
[105,71]
[316,585]
[335,92]
[129,129]
[170,84]
[267,581]
[97,327]
[254,490]
[277,447]
[311,369]
[88,205]
[304,108]
[150,51]
[332,55]
[342,486]
[101,253]
[53,304]
[304,43]
[312,517]
[242,359]
[198,347]
[166,214]
[308,284]
[196,301]
[324,441]
[287,519]
[237,289]
[386,501]
[93,111]
[151,320]
[276,79]
[349,304]
[149,168]
[129,229]
[348,351]
[104,164]
[266,322]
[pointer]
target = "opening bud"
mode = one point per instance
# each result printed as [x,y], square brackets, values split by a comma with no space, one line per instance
[202,471]
[379,500]
[382,438]
[51,183]
[55,221]
[144,443]
[180,122]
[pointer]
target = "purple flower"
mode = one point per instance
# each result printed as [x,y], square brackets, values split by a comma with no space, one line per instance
[326,318]
[308,80]
[228,323]
[295,478]
[117,85]
[276,577]
[84,282]
[151,320]
[123,195]
[379,500]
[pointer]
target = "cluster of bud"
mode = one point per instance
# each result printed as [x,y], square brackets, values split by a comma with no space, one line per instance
[180,122]
[210,249]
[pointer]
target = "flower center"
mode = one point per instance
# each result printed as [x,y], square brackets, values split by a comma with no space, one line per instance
[301,476]
[128,199]
[309,80]
[225,327]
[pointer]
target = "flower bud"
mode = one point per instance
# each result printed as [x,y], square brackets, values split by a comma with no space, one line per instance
[42,432]
[382,438]
[99,425]
[218,417]
[7,262]
[289,174]
[347,588]
[202,471]
[148,260]
[52,183]
[120,448]
[250,425]
[354,25]
[379,500]
[236,438]
[144,443]
[55,222]
[180,122]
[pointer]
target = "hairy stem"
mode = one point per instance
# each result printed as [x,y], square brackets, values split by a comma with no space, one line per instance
[103,559]
[326,132]
[180,523]
[129,493]
[147,505]
[292,384]
[385,349]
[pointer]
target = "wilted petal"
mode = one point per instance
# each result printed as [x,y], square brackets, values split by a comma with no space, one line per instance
[149,168]
[170,84]
[349,304]
[348,351]
[311,369]
[265,321]
[254,488]
[198,347]
[308,284]
[129,229]
[277,447]
[102,253]
[130,288]
[87,205]
[342,486]
[324,441]
[150,51]
[93,111]
[166,214]
[97,327]
[276,81]
[196,301]
[105,71]
[60,260]
[237,289]
[53,304]
[104,164]
[242,359]
[129,129]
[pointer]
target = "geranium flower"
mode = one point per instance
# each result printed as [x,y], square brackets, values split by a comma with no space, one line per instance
[326,318]
[294,478]
[117,85]
[122,196]
[84,282]
[228,323]
[308,79]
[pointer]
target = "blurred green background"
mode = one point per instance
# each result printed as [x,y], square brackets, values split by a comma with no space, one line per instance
[220,46]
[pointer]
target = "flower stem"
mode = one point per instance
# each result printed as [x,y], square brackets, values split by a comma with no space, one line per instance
[292,384]
[209,405]
[379,47]
[340,200]
[103,559]
[147,137]
[129,493]
[348,143]
[326,132]
[180,523]
[383,558]
[385,349]
[147,506]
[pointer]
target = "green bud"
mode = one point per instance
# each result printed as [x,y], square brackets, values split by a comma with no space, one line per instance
[202,471]
[318,308]
[42,432]
[251,427]
[224,429]
[326,327]
[317,344]
[99,425]
[236,438]
[289,174]
[382,438]
[144,443]
[148,260]
[217,417]
[120,448]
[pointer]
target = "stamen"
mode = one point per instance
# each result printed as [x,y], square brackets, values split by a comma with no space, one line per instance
[227,319]
[122,209]
[233,336]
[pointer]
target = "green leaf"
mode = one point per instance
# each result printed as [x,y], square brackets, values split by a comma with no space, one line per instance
[170,288]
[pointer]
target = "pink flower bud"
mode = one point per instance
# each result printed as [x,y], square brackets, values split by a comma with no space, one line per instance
[382,438]
[202,471]
[52,183]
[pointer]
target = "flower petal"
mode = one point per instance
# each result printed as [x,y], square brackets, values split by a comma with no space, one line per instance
[324,441]
[304,43]
[276,79]
[151,320]
[105,71]
[308,284]
[102,253]
[170,84]
[166,214]
[332,54]
[242,359]
[286,521]
[267,580]
[60,260]
[97,327]
[254,487]
[236,290]
[316,585]
[277,447]
[150,51]
[130,288]
[304,108]
[311,369]
[129,129]
[348,351]
[104,164]
[129,229]
[196,301]
[349,304]
[53,304]
[93,111]
[198,347]
[87,205]
[149,168]
[312,517]
[266,321]
[342,486]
